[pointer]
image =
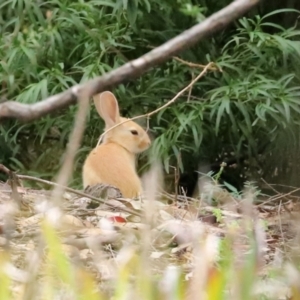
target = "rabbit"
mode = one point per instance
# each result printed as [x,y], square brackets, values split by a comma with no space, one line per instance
[113,161]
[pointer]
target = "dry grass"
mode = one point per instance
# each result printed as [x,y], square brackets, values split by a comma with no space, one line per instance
[184,250]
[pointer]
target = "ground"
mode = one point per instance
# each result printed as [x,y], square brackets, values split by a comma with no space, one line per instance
[95,232]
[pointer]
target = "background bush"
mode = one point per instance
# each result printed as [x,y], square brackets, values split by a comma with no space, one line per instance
[248,109]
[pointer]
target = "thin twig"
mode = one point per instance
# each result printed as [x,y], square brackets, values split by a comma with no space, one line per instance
[148,115]
[278,197]
[193,65]
[68,189]
[13,181]
[82,194]
[73,145]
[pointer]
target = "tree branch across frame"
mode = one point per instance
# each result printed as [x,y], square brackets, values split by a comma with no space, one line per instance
[130,70]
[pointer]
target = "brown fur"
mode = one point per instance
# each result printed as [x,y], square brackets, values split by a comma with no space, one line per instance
[113,162]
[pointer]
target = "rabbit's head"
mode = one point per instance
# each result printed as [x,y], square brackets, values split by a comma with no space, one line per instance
[129,135]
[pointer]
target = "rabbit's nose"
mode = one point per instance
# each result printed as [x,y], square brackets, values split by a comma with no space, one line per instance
[145,144]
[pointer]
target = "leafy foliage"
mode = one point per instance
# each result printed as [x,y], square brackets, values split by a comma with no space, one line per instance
[50,46]
[245,108]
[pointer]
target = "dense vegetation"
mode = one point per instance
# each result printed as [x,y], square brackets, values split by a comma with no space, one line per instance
[247,108]
[76,249]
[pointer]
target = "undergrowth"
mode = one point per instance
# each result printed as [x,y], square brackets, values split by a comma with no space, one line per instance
[47,47]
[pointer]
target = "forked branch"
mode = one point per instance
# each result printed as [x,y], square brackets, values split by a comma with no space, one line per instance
[132,69]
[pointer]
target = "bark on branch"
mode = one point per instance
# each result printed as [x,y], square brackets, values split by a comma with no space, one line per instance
[132,69]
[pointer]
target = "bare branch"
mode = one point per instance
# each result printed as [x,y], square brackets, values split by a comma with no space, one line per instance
[132,69]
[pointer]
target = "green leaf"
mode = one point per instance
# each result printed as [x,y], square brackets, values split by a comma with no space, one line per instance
[223,106]
[279,11]
[148,5]
[132,11]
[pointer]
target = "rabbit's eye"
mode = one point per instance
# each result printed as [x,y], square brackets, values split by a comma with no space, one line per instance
[134,132]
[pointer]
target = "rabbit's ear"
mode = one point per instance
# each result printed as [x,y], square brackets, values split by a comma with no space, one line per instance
[108,108]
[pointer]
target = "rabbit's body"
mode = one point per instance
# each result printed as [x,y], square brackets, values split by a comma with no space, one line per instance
[113,162]
[122,169]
